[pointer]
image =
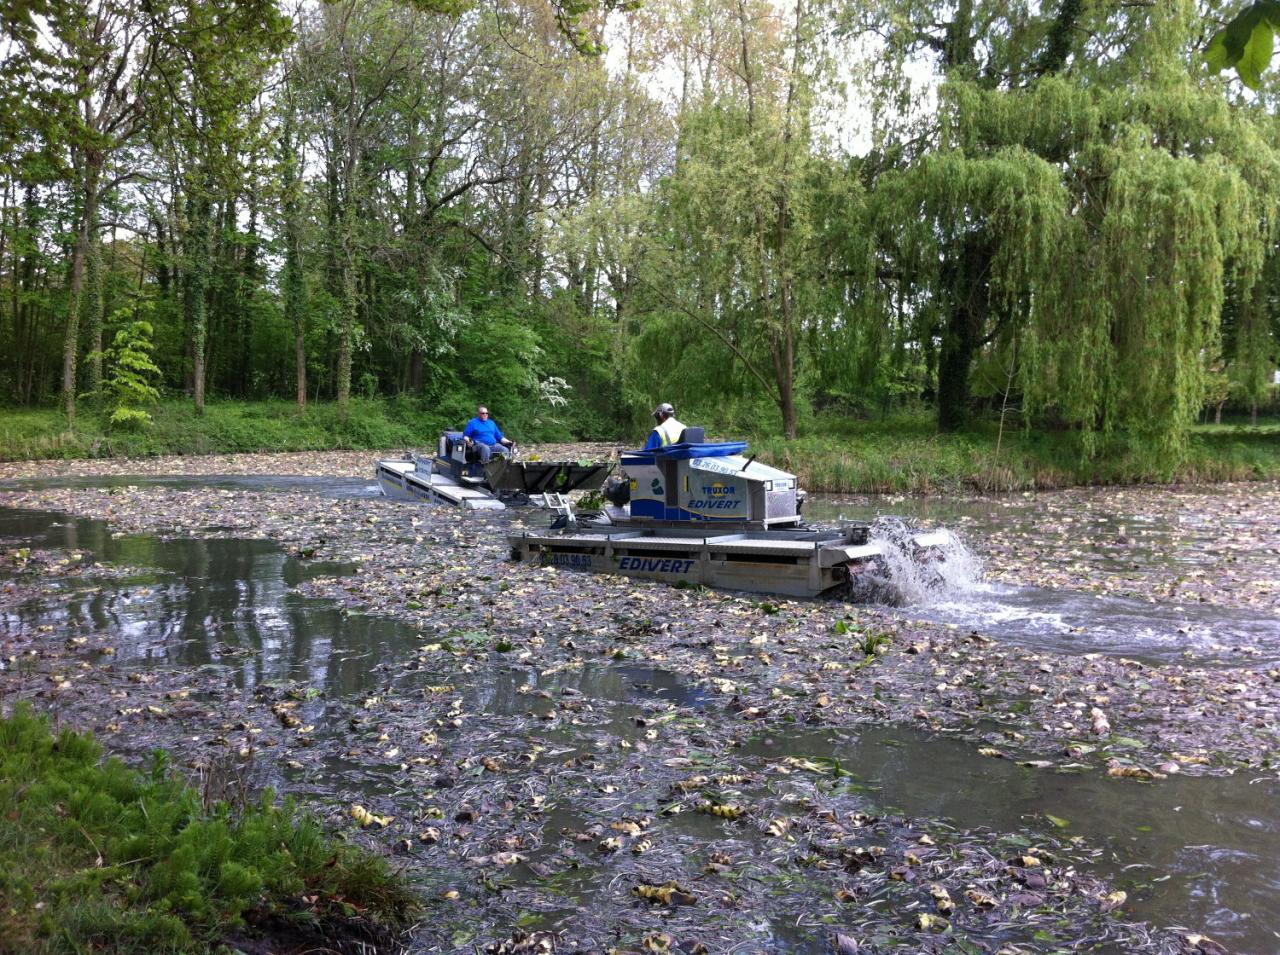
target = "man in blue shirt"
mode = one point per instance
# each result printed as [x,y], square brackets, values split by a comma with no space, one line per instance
[483,434]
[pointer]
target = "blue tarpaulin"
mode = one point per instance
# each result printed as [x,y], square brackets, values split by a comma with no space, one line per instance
[683,452]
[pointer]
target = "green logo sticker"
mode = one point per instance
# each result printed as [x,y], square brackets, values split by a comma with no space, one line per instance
[657,486]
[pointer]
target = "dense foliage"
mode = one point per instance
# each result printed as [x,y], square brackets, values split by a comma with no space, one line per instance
[1052,213]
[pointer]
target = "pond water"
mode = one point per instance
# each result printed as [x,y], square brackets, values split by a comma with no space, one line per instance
[1202,853]
[1067,620]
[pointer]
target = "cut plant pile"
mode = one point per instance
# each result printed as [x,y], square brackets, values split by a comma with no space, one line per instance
[95,855]
[310,463]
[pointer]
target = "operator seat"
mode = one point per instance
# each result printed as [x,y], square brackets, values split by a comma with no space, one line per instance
[692,436]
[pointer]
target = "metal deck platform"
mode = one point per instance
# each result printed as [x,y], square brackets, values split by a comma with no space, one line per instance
[798,563]
[402,481]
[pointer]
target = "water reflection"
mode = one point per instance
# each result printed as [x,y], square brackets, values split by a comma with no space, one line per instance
[228,603]
[344,487]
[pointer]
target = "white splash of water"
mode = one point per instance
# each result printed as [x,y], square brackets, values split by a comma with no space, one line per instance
[944,571]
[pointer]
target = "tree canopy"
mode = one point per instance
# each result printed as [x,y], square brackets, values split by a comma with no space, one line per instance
[766,213]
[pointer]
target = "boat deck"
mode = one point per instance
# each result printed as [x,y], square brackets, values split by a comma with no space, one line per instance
[401,480]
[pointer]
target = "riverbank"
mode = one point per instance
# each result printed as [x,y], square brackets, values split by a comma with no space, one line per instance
[551,746]
[226,427]
[96,855]
[908,456]
[834,455]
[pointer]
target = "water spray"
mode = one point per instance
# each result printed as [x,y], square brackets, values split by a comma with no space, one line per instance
[904,573]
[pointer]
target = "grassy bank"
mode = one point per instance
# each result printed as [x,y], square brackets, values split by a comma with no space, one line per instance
[97,857]
[226,427]
[907,455]
[838,455]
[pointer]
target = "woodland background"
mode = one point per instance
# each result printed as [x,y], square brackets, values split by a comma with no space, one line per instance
[784,217]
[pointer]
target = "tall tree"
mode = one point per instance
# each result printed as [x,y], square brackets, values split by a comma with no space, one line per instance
[214,59]
[104,53]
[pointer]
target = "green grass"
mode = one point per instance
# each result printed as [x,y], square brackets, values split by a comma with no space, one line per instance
[95,856]
[834,454]
[907,455]
[225,427]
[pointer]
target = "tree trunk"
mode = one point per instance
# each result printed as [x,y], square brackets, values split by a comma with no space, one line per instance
[92,304]
[300,365]
[197,303]
[25,334]
[292,280]
[415,371]
[962,330]
[350,304]
[959,346]
[80,252]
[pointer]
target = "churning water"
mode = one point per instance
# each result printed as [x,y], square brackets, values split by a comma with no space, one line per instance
[916,576]
[950,589]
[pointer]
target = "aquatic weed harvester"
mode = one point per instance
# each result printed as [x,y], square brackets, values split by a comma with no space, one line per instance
[704,513]
[454,477]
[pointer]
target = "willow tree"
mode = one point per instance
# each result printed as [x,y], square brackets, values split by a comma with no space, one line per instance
[1251,338]
[1170,192]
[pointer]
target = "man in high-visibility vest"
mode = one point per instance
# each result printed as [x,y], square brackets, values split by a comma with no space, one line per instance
[666,431]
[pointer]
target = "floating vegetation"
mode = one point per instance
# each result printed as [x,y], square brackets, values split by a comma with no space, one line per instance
[587,762]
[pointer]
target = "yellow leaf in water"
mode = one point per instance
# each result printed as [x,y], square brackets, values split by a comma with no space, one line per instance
[981,899]
[669,894]
[942,899]
[723,810]
[690,784]
[806,764]
[778,827]
[928,922]
[367,819]
[1134,772]
[1114,900]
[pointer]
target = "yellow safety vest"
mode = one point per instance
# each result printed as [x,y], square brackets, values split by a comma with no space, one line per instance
[669,431]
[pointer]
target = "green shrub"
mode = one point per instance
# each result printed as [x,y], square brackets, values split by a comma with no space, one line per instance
[130,373]
[107,858]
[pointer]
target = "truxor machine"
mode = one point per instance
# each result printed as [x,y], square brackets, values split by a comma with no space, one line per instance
[700,513]
[451,477]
